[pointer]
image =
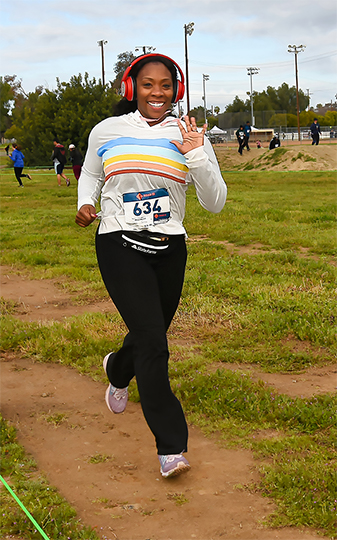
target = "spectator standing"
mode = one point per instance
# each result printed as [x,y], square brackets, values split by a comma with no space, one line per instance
[17,157]
[315,131]
[76,159]
[247,129]
[240,135]
[59,158]
[7,149]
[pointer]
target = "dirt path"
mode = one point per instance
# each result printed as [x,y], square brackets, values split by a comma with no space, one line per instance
[124,497]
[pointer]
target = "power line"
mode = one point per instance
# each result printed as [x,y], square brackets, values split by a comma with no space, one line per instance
[272,64]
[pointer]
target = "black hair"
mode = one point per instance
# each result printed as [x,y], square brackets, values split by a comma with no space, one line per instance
[124,106]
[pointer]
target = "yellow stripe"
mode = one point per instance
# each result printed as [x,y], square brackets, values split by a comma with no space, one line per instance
[146,159]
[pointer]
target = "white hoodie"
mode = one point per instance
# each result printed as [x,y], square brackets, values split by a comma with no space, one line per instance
[142,178]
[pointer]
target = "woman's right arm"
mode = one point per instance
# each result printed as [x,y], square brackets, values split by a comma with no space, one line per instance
[91,181]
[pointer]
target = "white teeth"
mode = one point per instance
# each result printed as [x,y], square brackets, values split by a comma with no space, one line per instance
[156,105]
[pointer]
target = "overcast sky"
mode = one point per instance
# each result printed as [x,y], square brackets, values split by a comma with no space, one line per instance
[44,39]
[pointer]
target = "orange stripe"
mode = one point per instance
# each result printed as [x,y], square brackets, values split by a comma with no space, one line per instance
[115,173]
[153,167]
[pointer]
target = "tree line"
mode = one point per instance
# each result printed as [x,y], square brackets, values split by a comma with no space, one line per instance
[280,102]
[69,112]
[66,114]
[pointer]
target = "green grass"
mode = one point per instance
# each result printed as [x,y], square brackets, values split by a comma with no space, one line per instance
[52,513]
[236,308]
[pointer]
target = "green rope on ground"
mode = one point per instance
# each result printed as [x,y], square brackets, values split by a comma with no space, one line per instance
[43,534]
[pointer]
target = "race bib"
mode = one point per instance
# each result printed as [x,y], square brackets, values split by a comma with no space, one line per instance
[147,208]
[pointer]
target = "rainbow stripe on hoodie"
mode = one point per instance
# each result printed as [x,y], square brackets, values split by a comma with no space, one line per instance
[157,157]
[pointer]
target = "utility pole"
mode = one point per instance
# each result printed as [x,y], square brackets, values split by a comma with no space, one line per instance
[297,49]
[204,79]
[144,47]
[252,71]
[101,44]
[188,32]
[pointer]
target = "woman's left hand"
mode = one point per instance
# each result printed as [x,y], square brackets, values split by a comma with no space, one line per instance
[192,138]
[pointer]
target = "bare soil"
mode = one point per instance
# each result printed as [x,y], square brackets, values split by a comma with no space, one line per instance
[124,497]
[299,157]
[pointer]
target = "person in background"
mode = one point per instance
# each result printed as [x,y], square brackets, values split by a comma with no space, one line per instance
[315,131]
[247,129]
[140,163]
[17,157]
[275,142]
[258,144]
[59,158]
[76,159]
[240,135]
[7,149]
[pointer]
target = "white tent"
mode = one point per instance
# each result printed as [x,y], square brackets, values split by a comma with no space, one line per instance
[217,131]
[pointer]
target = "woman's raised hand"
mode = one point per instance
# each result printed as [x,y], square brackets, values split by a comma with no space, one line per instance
[192,138]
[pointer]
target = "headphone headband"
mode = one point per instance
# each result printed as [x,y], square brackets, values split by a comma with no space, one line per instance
[128,83]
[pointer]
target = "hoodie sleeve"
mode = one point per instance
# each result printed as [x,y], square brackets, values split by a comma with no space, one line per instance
[205,174]
[92,175]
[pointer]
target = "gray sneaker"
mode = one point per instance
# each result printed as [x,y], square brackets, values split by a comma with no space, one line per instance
[115,398]
[173,464]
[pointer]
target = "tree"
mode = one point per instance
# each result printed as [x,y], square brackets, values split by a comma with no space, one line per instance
[67,114]
[212,121]
[237,106]
[283,119]
[281,99]
[123,61]
[6,103]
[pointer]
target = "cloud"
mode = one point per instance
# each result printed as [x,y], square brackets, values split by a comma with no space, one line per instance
[58,38]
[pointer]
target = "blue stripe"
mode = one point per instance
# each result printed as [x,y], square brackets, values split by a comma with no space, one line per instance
[144,150]
[131,141]
[152,194]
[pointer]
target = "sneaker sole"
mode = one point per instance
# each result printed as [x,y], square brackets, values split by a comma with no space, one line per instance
[180,468]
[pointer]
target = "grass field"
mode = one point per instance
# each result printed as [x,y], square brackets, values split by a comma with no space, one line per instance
[236,308]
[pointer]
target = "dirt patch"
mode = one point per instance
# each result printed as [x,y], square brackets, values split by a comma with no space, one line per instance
[302,157]
[42,299]
[313,381]
[124,497]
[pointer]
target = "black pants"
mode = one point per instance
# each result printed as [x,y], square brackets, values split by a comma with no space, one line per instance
[146,290]
[19,175]
[315,138]
[245,144]
[241,145]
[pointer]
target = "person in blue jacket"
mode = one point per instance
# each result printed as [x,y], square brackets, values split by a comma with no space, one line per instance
[247,129]
[17,157]
[315,131]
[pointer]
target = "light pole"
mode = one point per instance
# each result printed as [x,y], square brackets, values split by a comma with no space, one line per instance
[188,32]
[204,79]
[101,44]
[296,49]
[144,47]
[252,71]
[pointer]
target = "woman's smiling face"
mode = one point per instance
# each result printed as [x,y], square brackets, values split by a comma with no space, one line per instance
[154,91]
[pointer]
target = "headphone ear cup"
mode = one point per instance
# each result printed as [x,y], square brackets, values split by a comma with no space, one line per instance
[180,92]
[128,88]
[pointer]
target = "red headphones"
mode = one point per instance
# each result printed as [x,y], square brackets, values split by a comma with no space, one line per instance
[128,84]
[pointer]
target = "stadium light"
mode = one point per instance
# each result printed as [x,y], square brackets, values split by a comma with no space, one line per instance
[144,47]
[101,44]
[204,79]
[252,71]
[189,28]
[297,49]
